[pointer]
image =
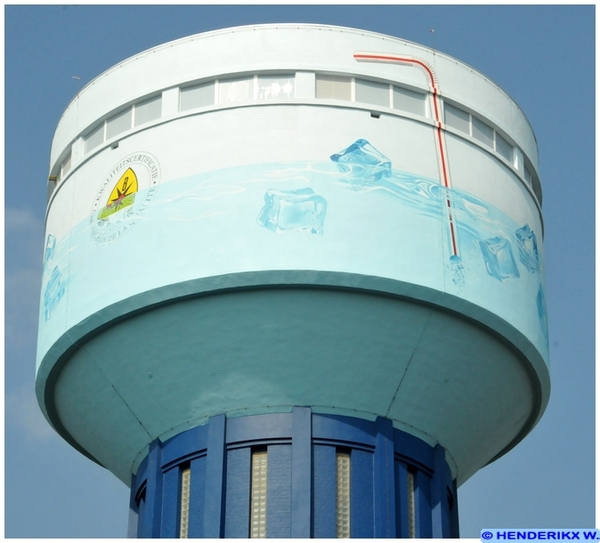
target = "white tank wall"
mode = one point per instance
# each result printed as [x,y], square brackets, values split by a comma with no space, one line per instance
[298,50]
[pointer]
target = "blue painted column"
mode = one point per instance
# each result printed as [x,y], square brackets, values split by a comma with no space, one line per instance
[197,497]
[279,491]
[215,474]
[301,522]
[440,484]
[153,501]
[170,517]
[423,519]
[361,494]
[324,491]
[237,498]
[383,476]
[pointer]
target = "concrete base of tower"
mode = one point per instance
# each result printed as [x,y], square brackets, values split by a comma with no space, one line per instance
[297,475]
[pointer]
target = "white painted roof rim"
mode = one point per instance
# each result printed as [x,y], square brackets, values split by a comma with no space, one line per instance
[304,26]
[316,26]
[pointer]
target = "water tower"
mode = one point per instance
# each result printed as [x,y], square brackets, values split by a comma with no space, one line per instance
[293,283]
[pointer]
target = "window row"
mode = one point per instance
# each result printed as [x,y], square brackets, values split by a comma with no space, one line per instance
[273,87]
[264,87]
[283,87]
[370,92]
[470,125]
[241,89]
[63,170]
[136,115]
[258,87]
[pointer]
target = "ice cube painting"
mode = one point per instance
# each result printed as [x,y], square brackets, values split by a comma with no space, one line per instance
[298,210]
[498,257]
[363,164]
[50,247]
[54,291]
[528,251]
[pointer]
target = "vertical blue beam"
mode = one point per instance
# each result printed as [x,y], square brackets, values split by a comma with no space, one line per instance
[279,464]
[237,498]
[361,494]
[422,504]
[300,523]
[324,516]
[197,495]
[150,527]
[440,511]
[171,504]
[215,468]
[383,480]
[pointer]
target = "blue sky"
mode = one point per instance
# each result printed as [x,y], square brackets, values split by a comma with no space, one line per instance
[543,56]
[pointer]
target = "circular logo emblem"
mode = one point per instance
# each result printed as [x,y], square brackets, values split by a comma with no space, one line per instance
[123,196]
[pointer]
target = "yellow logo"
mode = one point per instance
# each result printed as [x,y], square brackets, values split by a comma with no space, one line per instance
[138,175]
[122,196]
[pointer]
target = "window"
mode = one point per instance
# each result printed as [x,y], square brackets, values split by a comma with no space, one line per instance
[330,86]
[518,159]
[147,111]
[66,166]
[258,495]
[198,96]
[410,101]
[119,123]
[371,92]
[136,115]
[342,506]
[412,532]
[504,148]
[236,90]
[185,502]
[457,118]
[94,138]
[528,177]
[483,132]
[275,87]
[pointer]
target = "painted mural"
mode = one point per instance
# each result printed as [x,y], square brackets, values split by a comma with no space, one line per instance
[352,208]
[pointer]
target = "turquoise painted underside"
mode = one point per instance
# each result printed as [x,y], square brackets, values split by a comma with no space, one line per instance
[224,352]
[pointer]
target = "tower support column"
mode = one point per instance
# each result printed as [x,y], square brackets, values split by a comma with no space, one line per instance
[298,474]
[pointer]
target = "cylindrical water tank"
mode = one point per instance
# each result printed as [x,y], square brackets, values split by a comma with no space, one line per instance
[261,219]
